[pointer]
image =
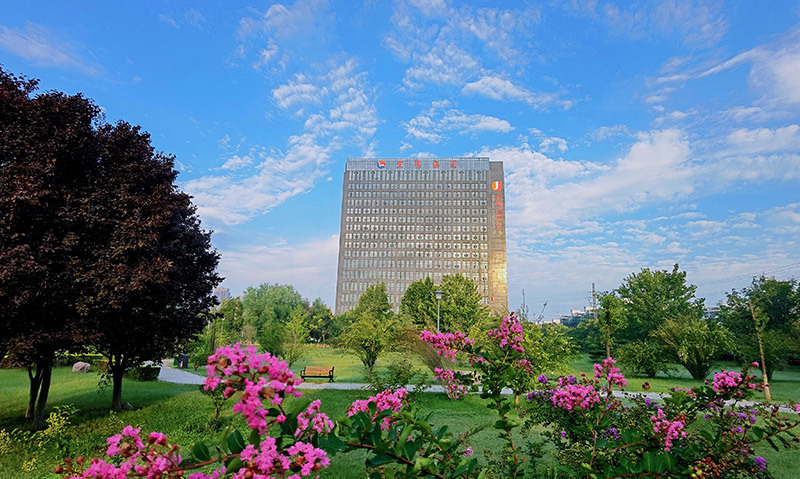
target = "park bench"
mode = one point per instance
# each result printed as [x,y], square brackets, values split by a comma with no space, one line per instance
[317,372]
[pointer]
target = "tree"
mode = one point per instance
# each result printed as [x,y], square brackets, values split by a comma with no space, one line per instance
[776,307]
[693,343]
[147,288]
[232,316]
[270,302]
[610,318]
[320,321]
[373,327]
[461,304]
[419,303]
[48,152]
[650,298]
[296,336]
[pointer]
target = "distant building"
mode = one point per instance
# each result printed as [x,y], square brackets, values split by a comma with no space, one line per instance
[404,219]
[222,293]
[576,316]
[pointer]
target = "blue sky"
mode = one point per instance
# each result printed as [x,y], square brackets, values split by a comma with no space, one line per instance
[633,134]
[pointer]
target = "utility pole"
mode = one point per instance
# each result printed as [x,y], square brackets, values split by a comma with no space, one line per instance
[767,395]
[608,321]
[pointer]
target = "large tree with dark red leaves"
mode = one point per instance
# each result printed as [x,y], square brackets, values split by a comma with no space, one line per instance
[47,146]
[150,280]
[97,245]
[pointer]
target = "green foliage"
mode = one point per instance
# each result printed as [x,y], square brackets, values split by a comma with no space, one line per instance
[776,305]
[372,328]
[271,337]
[399,373]
[461,306]
[296,334]
[419,303]
[642,358]
[650,298]
[143,373]
[693,343]
[270,303]
[320,321]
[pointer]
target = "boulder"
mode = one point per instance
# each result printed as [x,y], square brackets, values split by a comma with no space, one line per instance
[81,367]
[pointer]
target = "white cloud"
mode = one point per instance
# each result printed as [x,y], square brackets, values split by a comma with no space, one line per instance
[168,20]
[699,24]
[265,55]
[293,93]
[432,124]
[497,88]
[37,44]
[279,176]
[195,18]
[605,132]
[762,140]
[237,162]
[309,266]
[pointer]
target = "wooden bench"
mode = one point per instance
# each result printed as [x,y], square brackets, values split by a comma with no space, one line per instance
[317,372]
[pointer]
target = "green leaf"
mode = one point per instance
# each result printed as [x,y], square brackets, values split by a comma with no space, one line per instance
[401,441]
[200,451]
[255,438]
[649,461]
[236,442]
[441,432]
[379,460]
[233,464]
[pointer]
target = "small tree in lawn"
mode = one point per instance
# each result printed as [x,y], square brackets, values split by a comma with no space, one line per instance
[296,336]
[373,326]
[419,303]
[320,321]
[461,306]
[693,343]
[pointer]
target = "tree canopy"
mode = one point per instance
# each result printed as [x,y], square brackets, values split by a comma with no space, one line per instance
[97,246]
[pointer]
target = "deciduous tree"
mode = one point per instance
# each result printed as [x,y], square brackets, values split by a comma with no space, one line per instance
[147,289]
[48,153]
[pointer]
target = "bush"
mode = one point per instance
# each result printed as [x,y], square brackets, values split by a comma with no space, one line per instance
[143,373]
[399,374]
[642,358]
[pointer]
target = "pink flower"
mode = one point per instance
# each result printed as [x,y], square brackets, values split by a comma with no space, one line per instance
[447,344]
[726,380]
[671,429]
[571,396]
[607,370]
[384,400]
[510,334]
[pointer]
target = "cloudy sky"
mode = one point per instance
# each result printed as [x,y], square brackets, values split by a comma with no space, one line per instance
[633,134]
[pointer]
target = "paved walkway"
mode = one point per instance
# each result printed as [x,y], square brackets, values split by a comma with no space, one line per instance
[171,375]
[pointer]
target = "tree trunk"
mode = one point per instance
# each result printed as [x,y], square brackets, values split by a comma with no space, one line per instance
[45,365]
[117,371]
[36,381]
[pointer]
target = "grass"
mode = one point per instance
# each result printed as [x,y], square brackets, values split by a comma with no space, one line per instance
[784,385]
[183,413]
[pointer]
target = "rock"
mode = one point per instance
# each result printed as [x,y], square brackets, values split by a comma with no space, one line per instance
[81,367]
[126,406]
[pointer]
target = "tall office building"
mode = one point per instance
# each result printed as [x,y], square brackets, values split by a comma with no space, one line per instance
[404,219]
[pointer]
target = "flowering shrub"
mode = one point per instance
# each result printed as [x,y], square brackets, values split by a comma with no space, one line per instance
[703,432]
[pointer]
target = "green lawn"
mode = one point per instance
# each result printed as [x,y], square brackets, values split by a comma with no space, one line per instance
[785,386]
[183,413]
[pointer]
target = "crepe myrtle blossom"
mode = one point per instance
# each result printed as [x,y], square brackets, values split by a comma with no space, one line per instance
[311,418]
[671,430]
[384,400]
[607,371]
[447,344]
[264,377]
[509,334]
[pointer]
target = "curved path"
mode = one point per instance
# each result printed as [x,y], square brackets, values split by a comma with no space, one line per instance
[171,375]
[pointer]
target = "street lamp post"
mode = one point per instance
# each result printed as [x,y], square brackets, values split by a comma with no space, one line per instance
[438,294]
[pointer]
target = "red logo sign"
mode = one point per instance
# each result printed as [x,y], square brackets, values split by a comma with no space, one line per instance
[497,186]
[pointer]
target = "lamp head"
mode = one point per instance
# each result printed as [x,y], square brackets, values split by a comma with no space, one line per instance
[438,294]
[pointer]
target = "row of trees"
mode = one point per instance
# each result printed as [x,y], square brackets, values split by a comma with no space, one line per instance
[654,319]
[98,248]
[284,323]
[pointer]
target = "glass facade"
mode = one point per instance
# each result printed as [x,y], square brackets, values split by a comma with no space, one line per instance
[404,219]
